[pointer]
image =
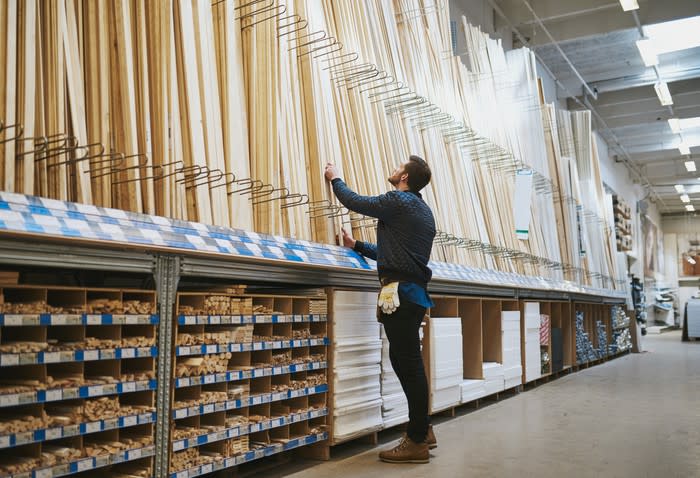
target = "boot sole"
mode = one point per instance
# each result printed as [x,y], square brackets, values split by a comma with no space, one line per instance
[389,460]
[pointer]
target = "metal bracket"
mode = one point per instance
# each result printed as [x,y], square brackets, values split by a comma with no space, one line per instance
[167,276]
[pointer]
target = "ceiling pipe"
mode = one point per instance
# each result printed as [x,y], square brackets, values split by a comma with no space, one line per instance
[627,160]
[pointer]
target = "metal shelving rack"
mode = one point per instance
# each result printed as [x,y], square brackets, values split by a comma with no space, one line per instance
[168,265]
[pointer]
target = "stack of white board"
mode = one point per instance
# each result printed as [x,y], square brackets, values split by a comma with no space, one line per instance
[445,362]
[512,365]
[533,362]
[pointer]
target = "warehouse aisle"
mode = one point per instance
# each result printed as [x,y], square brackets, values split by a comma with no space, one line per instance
[595,423]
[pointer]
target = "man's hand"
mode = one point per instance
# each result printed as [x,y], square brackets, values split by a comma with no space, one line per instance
[331,172]
[348,240]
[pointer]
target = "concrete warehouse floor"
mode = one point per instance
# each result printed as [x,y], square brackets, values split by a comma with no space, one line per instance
[636,416]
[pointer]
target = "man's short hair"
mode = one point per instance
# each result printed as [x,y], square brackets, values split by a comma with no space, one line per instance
[418,173]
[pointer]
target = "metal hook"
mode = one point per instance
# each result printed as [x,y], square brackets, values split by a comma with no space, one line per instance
[155,176]
[208,175]
[332,40]
[226,183]
[355,56]
[283,7]
[355,69]
[299,21]
[44,143]
[264,190]
[185,170]
[254,12]
[373,79]
[300,199]
[359,77]
[337,44]
[323,37]
[85,157]
[16,126]
[111,161]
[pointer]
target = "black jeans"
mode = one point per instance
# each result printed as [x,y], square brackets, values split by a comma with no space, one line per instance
[401,329]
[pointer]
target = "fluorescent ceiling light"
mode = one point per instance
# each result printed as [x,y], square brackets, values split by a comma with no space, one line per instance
[648,51]
[628,5]
[685,198]
[673,36]
[684,148]
[689,207]
[675,125]
[689,123]
[662,92]
[690,166]
[679,188]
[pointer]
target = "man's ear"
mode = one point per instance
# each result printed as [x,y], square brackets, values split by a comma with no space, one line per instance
[404,177]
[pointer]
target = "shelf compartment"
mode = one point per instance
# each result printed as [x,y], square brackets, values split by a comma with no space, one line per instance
[250,456]
[232,376]
[78,429]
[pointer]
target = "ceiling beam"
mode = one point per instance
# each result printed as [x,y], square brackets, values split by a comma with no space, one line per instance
[568,19]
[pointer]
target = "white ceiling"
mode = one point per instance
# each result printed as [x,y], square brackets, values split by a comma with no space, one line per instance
[599,40]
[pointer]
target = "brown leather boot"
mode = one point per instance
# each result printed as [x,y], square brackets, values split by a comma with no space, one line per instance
[407,451]
[430,438]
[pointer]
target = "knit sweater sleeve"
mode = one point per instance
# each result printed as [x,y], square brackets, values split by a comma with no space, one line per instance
[367,249]
[380,206]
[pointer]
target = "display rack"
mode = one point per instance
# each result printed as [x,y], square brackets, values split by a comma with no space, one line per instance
[173,256]
[79,378]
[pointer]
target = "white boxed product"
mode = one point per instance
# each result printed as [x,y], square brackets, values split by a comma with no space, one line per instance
[494,386]
[356,385]
[351,352]
[492,370]
[357,419]
[445,362]
[513,382]
[515,371]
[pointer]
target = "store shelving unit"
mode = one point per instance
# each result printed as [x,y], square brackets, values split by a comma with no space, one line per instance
[249,377]
[173,257]
[79,370]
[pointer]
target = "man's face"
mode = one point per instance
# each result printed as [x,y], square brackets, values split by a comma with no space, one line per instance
[395,177]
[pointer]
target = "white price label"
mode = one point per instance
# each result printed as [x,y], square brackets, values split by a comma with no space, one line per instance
[53,433]
[207,468]
[59,319]
[13,319]
[95,390]
[208,408]
[5,441]
[110,424]
[9,400]
[43,473]
[68,393]
[215,319]
[94,319]
[277,344]
[134,454]
[130,421]
[93,427]
[84,465]
[212,349]
[184,350]
[128,353]
[52,357]
[9,359]
[108,354]
[71,430]
[183,382]
[209,379]
[24,437]
[179,445]
[128,387]
[89,355]
[180,413]
[182,474]
[258,346]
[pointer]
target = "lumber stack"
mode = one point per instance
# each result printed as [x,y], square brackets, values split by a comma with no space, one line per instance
[226,112]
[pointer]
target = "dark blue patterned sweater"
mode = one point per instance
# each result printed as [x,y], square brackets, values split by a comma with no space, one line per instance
[405,232]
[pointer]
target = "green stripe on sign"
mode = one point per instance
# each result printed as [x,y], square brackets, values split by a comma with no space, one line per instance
[521,231]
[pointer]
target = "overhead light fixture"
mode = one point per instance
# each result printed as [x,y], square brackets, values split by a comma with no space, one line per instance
[648,52]
[689,123]
[679,188]
[674,35]
[684,148]
[690,166]
[689,208]
[675,125]
[685,198]
[628,5]
[663,93]
[690,260]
